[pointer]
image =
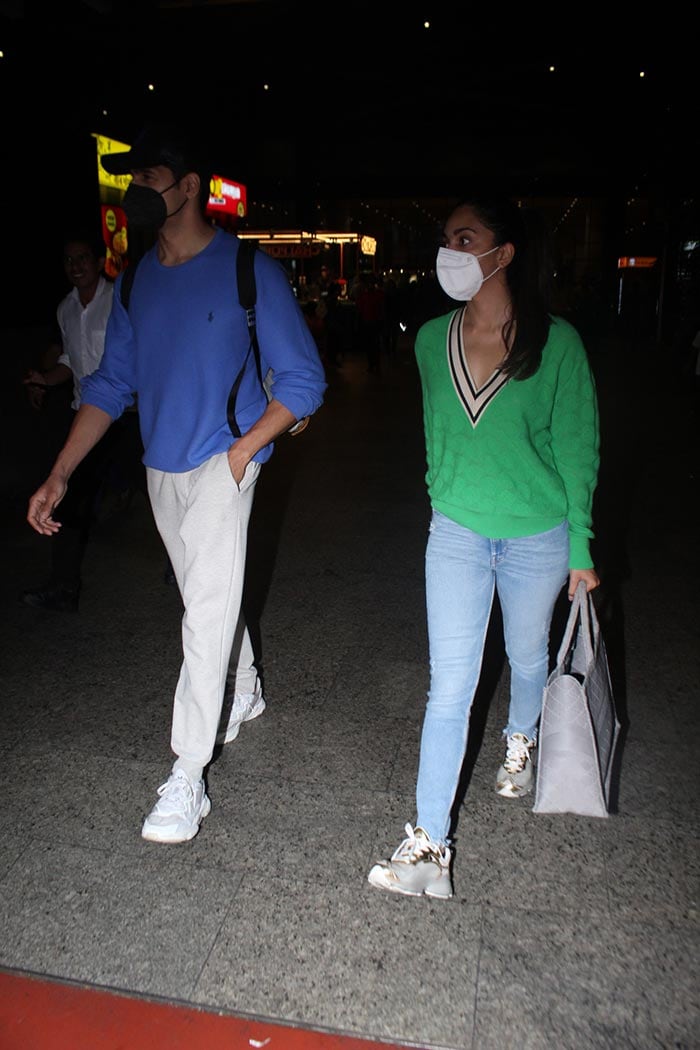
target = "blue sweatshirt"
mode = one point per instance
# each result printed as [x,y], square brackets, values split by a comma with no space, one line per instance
[182,344]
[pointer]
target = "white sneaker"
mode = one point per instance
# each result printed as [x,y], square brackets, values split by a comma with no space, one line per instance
[515,776]
[245,707]
[179,811]
[419,867]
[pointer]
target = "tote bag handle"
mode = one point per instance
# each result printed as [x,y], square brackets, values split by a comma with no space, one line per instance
[581,614]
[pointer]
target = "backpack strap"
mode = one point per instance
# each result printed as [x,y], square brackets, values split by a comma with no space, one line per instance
[247,295]
[247,292]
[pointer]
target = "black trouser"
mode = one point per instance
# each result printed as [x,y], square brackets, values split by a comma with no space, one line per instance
[125,469]
[119,448]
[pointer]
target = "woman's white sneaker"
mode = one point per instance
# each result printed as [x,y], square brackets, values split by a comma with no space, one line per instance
[419,867]
[515,777]
[179,811]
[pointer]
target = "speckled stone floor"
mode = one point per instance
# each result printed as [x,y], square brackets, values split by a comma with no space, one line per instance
[564,932]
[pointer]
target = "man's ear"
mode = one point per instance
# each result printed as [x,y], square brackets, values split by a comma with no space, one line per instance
[191,183]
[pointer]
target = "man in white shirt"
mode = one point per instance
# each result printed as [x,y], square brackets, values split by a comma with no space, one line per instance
[82,320]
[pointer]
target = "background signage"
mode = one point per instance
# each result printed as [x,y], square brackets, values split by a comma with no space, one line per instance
[226,197]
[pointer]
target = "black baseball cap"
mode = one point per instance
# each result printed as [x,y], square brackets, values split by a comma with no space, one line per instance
[172,146]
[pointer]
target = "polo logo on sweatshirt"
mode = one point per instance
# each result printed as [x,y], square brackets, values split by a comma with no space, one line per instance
[210,318]
[474,401]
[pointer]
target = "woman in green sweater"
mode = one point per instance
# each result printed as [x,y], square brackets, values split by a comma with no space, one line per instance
[511,431]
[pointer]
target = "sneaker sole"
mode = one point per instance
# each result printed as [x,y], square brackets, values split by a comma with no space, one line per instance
[511,791]
[157,834]
[395,887]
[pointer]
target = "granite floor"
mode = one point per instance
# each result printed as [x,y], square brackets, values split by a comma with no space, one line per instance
[564,932]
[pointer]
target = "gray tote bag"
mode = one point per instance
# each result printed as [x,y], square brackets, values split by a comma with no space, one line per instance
[579,725]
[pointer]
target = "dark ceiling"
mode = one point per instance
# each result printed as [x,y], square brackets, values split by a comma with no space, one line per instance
[362,99]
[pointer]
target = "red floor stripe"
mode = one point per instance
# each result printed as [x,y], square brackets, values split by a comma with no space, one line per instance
[36,1014]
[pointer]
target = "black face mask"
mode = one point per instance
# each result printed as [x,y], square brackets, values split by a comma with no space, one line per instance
[145,207]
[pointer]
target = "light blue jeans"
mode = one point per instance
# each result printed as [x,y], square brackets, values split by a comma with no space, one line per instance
[462,572]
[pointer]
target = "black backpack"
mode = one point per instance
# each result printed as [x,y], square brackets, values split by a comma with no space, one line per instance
[247,295]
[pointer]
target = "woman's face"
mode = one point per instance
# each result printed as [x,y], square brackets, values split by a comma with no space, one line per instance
[464,232]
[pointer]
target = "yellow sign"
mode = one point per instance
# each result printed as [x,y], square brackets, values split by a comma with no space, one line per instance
[105,145]
[368,246]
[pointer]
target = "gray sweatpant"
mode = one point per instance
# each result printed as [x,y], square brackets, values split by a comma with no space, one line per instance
[202,517]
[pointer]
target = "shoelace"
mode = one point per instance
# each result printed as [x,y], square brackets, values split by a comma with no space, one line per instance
[410,850]
[517,753]
[175,792]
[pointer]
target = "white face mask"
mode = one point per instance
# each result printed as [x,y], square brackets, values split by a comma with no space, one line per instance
[459,273]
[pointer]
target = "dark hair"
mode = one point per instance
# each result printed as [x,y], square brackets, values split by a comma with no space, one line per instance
[528,275]
[91,238]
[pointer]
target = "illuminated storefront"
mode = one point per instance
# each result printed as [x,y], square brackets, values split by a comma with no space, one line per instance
[306,254]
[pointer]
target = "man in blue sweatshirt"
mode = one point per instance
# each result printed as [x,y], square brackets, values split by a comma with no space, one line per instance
[180,347]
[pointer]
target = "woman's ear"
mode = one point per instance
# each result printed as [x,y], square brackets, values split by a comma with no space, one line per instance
[505,254]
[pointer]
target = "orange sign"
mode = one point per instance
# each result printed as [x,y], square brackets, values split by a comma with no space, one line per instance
[640,262]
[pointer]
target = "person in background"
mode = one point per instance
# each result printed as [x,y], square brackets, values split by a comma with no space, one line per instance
[511,429]
[182,348]
[82,321]
[334,328]
[369,301]
[35,384]
[316,324]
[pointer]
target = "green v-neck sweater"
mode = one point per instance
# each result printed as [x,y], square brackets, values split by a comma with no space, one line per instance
[513,458]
